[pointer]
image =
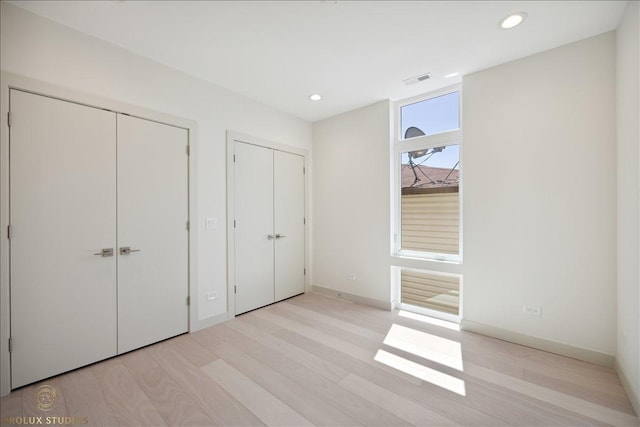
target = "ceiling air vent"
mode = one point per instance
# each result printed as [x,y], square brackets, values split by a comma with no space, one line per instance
[417,79]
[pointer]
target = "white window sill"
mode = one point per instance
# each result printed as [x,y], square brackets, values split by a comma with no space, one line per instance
[450,259]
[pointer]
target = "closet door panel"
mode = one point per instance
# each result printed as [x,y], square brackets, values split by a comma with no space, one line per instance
[289,224]
[152,223]
[254,243]
[62,212]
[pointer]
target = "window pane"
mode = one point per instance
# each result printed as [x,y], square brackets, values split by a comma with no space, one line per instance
[430,211]
[435,115]
[431,290]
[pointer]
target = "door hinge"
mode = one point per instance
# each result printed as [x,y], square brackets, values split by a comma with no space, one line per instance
[9,232]
[10,344]
[304,170]
[188,150]
[305,271]
[234,158]
[188,300]
[304,221]
[188,226]
[234,223]
[235,289]
[9,119]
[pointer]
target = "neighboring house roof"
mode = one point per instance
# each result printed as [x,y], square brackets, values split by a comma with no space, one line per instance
[429,177]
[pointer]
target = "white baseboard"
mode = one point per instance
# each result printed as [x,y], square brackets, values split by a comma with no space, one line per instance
[385,305]
[579,353]
[634,398]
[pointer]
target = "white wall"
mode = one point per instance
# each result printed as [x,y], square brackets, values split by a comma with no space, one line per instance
[628,57]
[351,202]
[41,49]
[540,195]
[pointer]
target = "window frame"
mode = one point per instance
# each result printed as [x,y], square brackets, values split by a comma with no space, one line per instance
[401,145]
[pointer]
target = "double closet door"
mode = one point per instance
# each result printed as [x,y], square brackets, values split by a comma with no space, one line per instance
[269,228]
[99,239]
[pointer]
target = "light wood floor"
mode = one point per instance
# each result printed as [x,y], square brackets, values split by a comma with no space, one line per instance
[314,360]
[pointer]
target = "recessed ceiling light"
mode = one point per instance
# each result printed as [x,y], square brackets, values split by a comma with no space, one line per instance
[315,97]
[448,76]
[512,20]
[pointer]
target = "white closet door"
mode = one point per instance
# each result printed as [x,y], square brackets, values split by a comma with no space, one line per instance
[63,211]
[152,222]
[253,179]
[289,224]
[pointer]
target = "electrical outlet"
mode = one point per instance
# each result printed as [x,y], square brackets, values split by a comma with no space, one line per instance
[532,310]
[351,276]
[211,296]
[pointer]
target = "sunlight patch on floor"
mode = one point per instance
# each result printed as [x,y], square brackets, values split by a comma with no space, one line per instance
[424,373]
[428,346]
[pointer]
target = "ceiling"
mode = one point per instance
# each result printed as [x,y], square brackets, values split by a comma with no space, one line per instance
[354,53]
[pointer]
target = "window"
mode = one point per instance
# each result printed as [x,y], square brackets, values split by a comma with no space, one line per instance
[431,116]
[427,161]
[430,291]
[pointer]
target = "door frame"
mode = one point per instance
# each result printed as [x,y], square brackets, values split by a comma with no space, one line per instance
[10,81]
[232,138]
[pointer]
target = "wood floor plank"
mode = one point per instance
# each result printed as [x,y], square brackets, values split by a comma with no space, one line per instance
[11,405]
[316,410]
[404,408]
[320,387]
[291,323]
[211,338]
[315,359]
[346,347]
[174,405]
[444,404]
[517,408]
[220,406]
[353,405]
[477,349]
[319,365]
[605,396]
[362,340]
[499,405]
[84,398]
[265,405]
[480,400]
[192,351]
[544,394]
[332,321]
[130,404]
[566,367]
[358,314]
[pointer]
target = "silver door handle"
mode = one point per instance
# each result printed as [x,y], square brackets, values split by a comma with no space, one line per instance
[126,250]
[270,236]
[105,252]
[280,236]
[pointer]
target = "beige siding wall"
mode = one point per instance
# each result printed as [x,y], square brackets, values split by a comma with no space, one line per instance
[431,222]
[431,290]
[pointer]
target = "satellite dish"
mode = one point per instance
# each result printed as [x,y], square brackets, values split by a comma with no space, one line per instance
[418,154]
[412,132]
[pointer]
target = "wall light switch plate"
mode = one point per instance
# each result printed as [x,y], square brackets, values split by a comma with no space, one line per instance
[211,224]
